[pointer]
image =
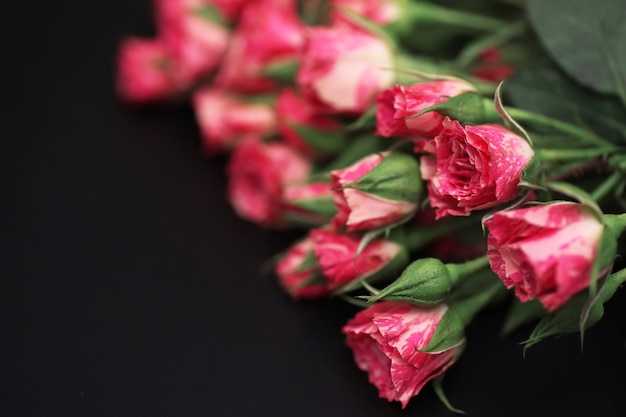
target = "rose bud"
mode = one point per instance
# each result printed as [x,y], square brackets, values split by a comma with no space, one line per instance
[377,191]
[380,12]
[428,281]
[298,272]
[473,167]
[402,346]
[145,71]
[398,107]
[545,252]
[195,33]
[308,204]
[302,126]
[268,32]
[343,68]
[258,174]
[344,265]
[492,66]
[226,118]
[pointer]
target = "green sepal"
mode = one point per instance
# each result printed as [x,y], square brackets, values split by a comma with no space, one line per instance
[566,319]
[309,262]
[521,314]
[210,14]
[604,259]
[506,117]
[605,254]
[466,108]
[531,173]
[282,71]
[424,282]
[438,388]
[323,141]
[391,232]
[324,206]
[450,332]
[390,269]
[316,278]
[396,178]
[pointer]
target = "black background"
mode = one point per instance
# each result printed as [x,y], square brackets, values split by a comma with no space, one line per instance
[130,288]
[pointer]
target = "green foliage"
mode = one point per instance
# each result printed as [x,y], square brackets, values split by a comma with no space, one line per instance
[545,89]
[586,38]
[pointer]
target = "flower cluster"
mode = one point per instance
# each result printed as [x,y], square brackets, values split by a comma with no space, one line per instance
[422,193]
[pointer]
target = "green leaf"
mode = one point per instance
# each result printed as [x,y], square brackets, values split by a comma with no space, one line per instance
[544,89]
[586,38]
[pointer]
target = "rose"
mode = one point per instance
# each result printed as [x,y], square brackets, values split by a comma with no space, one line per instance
[269,32]
[298,272]
[258,173]
[342,264]
[225,118]
[376,191]
[194,33]
[145,71]
[398,106]
[343,68]
[473,167]
[389,341]
[545,252]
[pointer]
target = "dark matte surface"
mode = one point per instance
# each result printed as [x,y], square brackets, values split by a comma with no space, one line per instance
[131,289]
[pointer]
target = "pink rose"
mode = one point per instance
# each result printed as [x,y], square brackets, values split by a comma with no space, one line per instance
[297,116]
[258,174]
[194,35]
[376,191]
[473,167]
[397,107]
[269,32]
[337,256]
[225,118]
[343,68]
[544,252]
[388,341]
[380,12]
[299,274]
[145,71]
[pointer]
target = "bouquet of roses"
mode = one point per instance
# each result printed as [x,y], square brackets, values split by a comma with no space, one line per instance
[437,157]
